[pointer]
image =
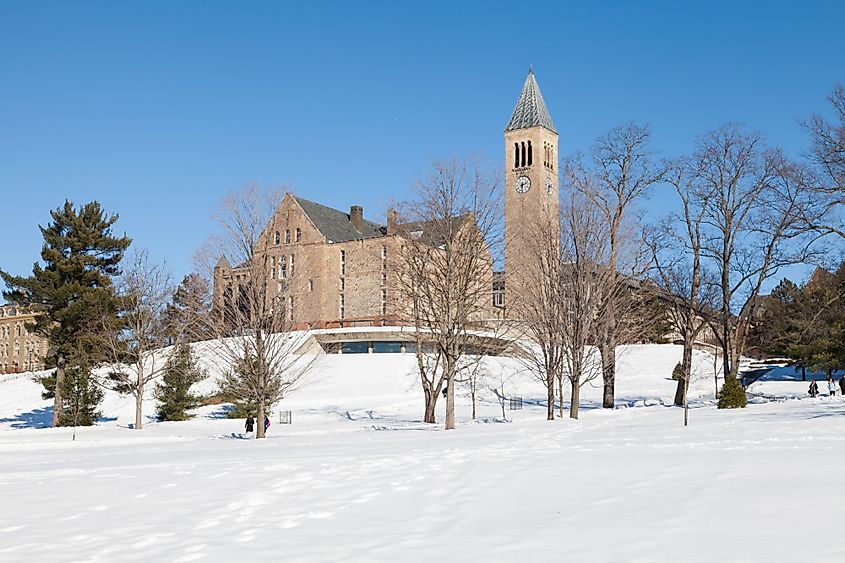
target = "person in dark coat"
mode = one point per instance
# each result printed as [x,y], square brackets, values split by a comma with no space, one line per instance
[266,423]
[250,424]
[814,388]
[842,384]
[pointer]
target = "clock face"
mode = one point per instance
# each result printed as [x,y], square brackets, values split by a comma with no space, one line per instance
[523,184]
[549,186]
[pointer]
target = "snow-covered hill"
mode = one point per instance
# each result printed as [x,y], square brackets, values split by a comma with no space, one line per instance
[389,382]
[358,477]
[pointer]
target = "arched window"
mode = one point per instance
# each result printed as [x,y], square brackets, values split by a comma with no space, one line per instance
[298,234]
[276,238]
[530,154]
[523,153]
[552,157]
[516,155]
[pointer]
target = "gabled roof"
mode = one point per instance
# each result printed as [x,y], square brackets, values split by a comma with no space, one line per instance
[434,233]
[530,110]
[223,263]
[336,225]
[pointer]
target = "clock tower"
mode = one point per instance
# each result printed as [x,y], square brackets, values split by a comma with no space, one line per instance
[531,188]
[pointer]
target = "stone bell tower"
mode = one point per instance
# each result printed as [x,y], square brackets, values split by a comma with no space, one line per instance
[531,189]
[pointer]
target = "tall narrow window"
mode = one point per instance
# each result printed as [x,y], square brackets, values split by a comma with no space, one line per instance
[292,264]
[530,154]
[523,153]
[342,262]
[290,307]
[276,238]
[383,301]
[283,267]
[552,157]
[287,236]
[298,234]
[273,267]
[343,284]
[516,155]
[342,307]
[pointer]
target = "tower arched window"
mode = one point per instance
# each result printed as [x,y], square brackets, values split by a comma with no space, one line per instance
[516,155]
[523,153]
[530,154]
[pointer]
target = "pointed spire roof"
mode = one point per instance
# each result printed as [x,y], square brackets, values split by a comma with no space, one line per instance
[222,263]
[530,110]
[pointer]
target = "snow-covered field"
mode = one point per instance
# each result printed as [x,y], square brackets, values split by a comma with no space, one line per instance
[358,477]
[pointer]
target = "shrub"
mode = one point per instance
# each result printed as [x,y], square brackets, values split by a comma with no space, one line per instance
[732,395]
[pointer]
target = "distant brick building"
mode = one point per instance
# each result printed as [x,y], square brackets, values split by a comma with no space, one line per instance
[337,269]
[19,349]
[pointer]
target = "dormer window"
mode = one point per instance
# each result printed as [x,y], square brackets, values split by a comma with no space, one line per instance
[277,238]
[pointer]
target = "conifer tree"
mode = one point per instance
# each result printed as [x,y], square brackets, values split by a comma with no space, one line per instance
[174,390]
[186,317]
[74,291]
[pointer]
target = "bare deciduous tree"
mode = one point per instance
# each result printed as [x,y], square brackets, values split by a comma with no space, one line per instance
[757,218]
[544,307]
[133,355]
[622,173]
[676,249]
[828,141]
[253,339]
[586,281]
[451,232]
[828,154]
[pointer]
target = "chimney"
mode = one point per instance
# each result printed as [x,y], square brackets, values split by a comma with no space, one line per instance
[356,215]
[391,221]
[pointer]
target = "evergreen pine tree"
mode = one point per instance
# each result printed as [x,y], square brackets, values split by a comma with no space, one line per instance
[186,318]
[74,291]
[174,390]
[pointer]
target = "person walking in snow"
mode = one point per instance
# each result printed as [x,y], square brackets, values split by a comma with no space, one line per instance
[266,423]
[250,424]
[814,388]
[842,384]
[831,386]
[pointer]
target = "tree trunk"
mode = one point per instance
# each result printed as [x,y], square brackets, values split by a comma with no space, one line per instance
[803,373]
[560,392]
[550,396]
[139,399]
[472,390]
[608,357]
[686,367]
[430,404]
[574,400]
[259,431]
[58,404]
[450,402]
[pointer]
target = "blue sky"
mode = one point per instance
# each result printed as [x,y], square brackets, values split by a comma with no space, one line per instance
[158,108]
